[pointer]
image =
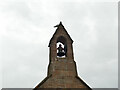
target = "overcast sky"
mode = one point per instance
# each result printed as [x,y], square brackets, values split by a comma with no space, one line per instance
[26,27]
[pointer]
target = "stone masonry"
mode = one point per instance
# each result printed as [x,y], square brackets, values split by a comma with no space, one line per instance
[62,72]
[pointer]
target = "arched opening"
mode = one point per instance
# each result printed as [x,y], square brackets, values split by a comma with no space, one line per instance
[61,47]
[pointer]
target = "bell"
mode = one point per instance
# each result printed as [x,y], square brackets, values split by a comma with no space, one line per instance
[60,54]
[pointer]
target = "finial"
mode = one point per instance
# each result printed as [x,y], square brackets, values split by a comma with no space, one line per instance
[60,23]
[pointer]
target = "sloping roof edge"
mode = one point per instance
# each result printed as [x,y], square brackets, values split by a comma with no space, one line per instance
[44,80]
[83,82]
[56,32]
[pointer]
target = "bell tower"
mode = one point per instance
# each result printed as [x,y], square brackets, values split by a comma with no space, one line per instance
[62,72]
[63,37]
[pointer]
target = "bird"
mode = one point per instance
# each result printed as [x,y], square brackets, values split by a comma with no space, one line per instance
[58,24]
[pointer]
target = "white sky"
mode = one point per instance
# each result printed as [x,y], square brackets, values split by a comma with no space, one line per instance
[26,27]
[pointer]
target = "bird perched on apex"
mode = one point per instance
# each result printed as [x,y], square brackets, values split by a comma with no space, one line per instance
[58,24]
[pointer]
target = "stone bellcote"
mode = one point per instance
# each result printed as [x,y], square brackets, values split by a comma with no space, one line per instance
[63,37]
[56,60]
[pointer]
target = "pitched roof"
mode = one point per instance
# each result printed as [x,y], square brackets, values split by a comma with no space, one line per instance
[60,24]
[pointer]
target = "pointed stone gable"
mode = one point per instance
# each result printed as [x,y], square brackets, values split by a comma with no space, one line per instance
[60,31]
[62,71]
